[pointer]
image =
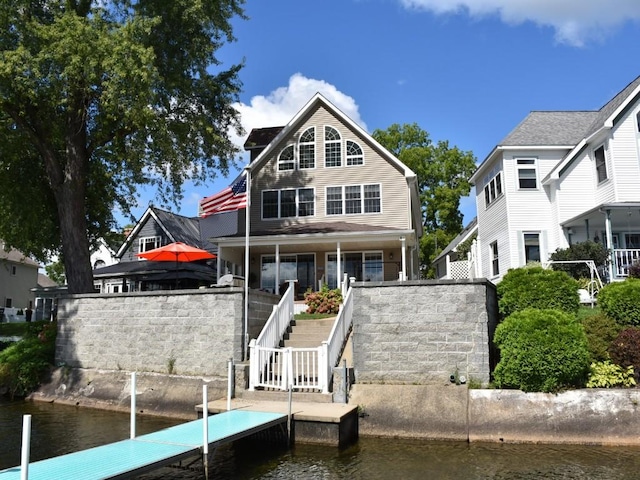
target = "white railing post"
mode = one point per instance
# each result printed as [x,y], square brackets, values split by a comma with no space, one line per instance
[26,447]
[254,365]
[133,406]
[447,260]
[287,369]
[323,367]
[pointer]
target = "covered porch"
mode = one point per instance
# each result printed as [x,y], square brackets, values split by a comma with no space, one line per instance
[617,227]
[315,255]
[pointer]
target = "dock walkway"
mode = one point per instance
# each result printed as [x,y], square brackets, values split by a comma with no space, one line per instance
[128,458]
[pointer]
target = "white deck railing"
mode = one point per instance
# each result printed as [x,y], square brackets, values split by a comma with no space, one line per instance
[301,368]
[270,336]
[624,258]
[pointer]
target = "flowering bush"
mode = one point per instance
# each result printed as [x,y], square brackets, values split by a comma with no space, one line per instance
[324,301]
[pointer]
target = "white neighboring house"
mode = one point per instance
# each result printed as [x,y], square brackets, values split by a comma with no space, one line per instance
[562,177]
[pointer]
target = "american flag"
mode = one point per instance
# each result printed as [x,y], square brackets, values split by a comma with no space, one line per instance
[234,197]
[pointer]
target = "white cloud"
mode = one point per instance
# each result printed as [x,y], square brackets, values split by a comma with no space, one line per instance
[280,106]
[575,21]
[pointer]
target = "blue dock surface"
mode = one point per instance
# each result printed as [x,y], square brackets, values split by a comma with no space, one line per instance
[127,458]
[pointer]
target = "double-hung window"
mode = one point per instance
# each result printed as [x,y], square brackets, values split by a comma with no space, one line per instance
[601,163]
[527,176]
[495,266]
[531,247]
[493,189]
[353,199]
[287,203]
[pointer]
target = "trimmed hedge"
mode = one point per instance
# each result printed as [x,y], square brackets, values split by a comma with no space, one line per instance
[621,301]
[536,287]
[541,351]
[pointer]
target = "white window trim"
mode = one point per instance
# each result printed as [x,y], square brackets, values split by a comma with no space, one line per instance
[292,161]
[487,188]
[348,157]
[340,142]
[533,167]
[141,241]
[315,150]
[344,201]
[595,164]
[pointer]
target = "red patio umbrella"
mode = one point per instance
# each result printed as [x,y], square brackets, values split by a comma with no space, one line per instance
[176,252]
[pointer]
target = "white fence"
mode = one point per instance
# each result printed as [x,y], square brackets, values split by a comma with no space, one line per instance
[463,269]
[300,368]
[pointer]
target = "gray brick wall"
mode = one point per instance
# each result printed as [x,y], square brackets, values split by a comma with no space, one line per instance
[199,329]
[420,332]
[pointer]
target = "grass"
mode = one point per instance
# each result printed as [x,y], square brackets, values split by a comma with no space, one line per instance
[587,311]
[313,316]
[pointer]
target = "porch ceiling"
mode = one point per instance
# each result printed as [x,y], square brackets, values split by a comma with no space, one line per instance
[622,214]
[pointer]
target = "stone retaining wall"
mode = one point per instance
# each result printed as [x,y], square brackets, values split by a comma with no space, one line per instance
[191,332]
[422,332]
[454,412]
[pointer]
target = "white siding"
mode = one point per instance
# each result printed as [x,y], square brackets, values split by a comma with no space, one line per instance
[623,151]
[577,186]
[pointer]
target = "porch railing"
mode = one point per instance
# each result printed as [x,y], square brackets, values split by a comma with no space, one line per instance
[624,258]
[301,368]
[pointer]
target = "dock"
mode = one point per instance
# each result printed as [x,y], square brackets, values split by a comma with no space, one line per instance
[128,458]
[333,424]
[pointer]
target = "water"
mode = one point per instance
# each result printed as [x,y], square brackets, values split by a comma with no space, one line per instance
[58,429]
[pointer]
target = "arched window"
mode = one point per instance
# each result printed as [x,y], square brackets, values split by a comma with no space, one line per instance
[332,147]
[354,154]
[307,148]
[286,159]
[98,264]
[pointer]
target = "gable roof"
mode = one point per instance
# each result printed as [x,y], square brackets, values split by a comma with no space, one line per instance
[466,232]
[568,129]
[16,256]
[550,128]
[316,101]
[177,228]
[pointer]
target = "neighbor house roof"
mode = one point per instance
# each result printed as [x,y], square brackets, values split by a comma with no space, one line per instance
[16,256]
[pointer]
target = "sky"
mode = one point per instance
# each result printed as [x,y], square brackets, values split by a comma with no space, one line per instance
[466,71]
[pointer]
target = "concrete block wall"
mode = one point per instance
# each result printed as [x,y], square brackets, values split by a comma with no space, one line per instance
[421,332]
[195,330]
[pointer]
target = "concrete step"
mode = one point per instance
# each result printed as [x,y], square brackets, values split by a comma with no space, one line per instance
[281,396]
[304,342]
[319,322]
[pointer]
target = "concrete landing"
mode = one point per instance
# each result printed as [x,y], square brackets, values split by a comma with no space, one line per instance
[323,423]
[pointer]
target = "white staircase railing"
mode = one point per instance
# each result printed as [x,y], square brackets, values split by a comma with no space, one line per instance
[270,336]
[301,368]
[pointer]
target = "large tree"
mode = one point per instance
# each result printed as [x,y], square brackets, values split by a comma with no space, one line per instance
[98,98]
[443,174]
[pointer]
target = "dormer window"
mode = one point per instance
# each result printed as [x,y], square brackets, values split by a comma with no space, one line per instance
[332,147]
[286,160]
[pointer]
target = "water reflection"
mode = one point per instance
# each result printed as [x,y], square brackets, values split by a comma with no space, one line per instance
[60,429]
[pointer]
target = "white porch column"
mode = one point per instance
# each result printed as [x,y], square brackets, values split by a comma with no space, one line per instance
[609,242]
[219,263]
[277,288]
[404,258]
[338,266]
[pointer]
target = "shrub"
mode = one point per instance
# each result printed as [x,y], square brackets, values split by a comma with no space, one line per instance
[600,330]
[23,363]
[541,351]
[580,251]
[634,270]
[324,301]
[625,349]
[535,287]
[621,301]
[609,375]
